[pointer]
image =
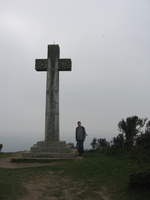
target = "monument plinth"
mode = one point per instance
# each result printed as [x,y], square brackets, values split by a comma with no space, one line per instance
[52,147]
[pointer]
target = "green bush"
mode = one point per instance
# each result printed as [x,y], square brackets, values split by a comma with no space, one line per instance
[118,142]
[94,143]
[130,128]
[1,146]
[143,141]
[140,180]
[99,144]
[142,148]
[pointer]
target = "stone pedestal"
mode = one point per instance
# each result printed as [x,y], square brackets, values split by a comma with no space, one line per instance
[51,149]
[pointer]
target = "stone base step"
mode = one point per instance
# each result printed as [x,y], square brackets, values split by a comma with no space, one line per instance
[70,155]
[65,149]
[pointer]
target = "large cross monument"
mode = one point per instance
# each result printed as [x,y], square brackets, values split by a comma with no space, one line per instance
[52,65]
[52,147]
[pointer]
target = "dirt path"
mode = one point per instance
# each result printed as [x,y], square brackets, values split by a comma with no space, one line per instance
[53,186]
[6,162]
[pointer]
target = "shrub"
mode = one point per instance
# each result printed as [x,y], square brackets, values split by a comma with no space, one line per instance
[71,144]
[1,146]
[143,141]
[118,142]
[98,144]
[130,128]
[142,148]
[94,143]
[140,180]
[102,143]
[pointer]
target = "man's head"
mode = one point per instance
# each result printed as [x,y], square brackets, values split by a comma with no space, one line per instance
[79,123]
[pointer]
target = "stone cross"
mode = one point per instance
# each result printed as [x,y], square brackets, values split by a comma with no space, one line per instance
[52,65]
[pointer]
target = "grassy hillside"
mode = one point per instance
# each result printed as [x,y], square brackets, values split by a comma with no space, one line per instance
[94,173]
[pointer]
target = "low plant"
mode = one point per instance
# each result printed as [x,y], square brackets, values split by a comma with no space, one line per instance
[140,180]
[1,146]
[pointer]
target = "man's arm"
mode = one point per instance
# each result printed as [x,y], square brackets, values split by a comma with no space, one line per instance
[84,132]
[76,134]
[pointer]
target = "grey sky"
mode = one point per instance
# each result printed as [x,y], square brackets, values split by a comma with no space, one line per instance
[109,44]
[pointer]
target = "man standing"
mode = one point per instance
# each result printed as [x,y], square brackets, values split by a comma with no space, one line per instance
[80,137]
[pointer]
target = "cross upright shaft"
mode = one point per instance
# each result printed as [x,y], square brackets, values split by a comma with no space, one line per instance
[52,65]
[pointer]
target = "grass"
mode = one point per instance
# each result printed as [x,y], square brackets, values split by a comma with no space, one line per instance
[93,172]
[10,184]
[6,155]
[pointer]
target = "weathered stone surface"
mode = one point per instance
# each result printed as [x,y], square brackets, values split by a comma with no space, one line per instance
[59,147]
[70,155]
[52,65]
[41,64]
[51,149]
[51,143]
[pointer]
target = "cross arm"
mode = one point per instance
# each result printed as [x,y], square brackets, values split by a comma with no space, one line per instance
[64,64]
[41,64]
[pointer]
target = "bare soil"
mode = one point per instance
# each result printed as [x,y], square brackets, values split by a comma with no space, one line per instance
[52,186]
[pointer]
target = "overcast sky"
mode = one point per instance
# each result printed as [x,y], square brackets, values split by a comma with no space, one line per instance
[108,42]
